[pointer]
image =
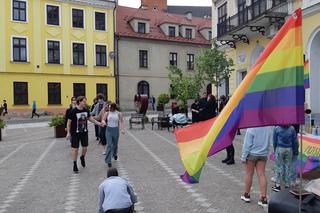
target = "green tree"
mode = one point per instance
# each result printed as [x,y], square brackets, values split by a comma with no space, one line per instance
[215,65]
[185,86]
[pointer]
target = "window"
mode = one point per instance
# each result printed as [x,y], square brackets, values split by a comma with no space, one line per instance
[173,59]
[241,75]
[54,93]
[19,10]
[53,52]
[100,21]
[143,88]
[143,58]
[20,93]
[243,16]
[19,46]
[172,31]
[103,89]
[53,15]
[101,55]
[188,33]
[210,35]
[222,19]
[78,54]
[79,89]
[190,61]
[141,27]
[77,18]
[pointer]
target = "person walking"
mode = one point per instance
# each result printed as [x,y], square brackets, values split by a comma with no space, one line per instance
[5,108]
[116,195]
[77,130]
[103,138]
[113,120]
[34,109]
[195,111]
[254,155]
[95,110]
[285,145]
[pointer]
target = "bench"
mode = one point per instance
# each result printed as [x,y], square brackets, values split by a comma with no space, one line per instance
[136,119]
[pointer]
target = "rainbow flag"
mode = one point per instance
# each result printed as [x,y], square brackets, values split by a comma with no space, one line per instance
[306,74]
[310,153]
[272,93]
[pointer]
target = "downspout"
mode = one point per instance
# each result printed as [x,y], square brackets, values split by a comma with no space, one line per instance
[115,50]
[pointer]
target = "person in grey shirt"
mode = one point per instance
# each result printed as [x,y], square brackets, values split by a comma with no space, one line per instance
[254,155]
[116,195]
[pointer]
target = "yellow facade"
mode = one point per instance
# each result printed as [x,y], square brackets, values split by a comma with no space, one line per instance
[36,71]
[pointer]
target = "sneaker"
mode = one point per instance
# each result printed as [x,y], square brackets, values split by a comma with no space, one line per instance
[104,153]
[276,188]
[245,197]
[115,157]
[83,162]
[109,165]
[75,168]
[263,202]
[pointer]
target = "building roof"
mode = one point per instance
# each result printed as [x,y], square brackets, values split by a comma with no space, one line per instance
[196,11]
[156,18]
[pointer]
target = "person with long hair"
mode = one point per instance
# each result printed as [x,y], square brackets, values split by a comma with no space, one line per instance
[114,122]
[77,130]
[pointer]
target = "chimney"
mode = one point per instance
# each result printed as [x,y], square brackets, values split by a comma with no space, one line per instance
[189,15]
[160,5]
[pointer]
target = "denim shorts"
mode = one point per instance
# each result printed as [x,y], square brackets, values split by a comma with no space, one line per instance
[257,158]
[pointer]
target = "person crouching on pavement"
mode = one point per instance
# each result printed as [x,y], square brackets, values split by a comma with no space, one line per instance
[254,155]
[116,195]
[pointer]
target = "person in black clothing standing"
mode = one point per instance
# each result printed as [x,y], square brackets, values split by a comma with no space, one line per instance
[229,160]
[195,107]
[211,107]
[5,108]
[203,105]
[73,105]
[77,130]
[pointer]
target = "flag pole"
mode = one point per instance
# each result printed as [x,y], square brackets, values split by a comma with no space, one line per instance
[300,187]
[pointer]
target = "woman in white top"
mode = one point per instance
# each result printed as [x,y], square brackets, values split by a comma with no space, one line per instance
[114,119]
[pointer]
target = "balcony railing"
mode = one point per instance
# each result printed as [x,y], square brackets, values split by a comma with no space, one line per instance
[251,13]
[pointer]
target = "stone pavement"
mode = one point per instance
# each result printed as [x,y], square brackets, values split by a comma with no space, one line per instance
[36,175]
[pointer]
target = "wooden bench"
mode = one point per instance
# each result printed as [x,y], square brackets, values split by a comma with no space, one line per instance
[136,119]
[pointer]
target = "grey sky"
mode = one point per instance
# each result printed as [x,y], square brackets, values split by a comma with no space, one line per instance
[136,3]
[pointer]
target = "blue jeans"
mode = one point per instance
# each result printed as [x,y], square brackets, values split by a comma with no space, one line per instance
[294,168]
[112,135]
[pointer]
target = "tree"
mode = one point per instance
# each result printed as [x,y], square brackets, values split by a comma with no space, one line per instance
[215,65]
[185,86]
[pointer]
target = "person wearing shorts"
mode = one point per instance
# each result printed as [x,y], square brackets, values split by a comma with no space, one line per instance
[77,130]
[254,155]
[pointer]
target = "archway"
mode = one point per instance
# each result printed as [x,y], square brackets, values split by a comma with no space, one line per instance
[313,99]
[143,88]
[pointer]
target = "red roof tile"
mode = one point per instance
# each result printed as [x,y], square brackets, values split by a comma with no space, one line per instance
[156,18]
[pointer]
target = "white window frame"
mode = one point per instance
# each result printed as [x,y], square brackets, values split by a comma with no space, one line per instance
[107,54]
[27,47]
[60,49]
[84,18]
[85,53]
[94,20]
[27,12]
[46,15]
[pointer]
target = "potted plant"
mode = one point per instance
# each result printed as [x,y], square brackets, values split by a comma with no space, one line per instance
[163,99]
[58,122]
[2,126]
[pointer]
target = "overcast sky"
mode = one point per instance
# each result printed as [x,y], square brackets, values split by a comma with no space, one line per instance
[136,3]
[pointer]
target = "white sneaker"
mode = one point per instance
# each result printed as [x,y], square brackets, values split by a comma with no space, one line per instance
[245,197]
[104,153]
[263,203]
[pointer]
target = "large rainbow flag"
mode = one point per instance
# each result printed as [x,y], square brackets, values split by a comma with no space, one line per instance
[272,93]
[306,74]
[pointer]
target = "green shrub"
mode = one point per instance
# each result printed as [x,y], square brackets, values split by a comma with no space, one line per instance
[163,99]
[57,120]
[2,124]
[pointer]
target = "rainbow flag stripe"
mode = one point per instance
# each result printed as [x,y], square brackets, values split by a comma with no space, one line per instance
[310,153]
[272,93]
[306,74]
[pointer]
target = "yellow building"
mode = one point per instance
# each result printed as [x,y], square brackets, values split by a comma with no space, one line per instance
[244,28]
[52,50]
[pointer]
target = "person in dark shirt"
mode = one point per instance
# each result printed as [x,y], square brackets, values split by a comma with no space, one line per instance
[73,105]
[5,108]
[77,130]
[195,107]
[211,107]
[203,104]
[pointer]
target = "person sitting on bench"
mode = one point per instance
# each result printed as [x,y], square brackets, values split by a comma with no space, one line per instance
[116,195]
